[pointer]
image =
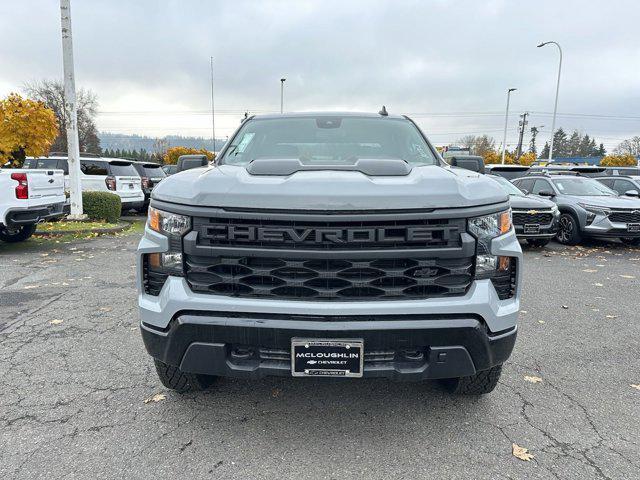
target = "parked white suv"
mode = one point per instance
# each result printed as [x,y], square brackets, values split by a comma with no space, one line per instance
[100,174]
[28,197]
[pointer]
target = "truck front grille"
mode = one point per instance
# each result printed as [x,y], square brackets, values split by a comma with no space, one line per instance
[329,279]
[538,218]
[332,234]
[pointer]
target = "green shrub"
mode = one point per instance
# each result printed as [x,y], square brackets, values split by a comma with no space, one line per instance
[101,206]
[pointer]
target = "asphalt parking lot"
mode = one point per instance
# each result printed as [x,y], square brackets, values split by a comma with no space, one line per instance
[75,376]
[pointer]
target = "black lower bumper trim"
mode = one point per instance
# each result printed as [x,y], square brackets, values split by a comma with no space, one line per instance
[34,215]
[401,349]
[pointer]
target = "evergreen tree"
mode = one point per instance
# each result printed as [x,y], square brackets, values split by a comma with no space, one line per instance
[532,142]
[601,152]
[545,151]
[573,145]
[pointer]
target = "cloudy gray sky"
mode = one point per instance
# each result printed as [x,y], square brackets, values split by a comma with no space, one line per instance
[446,63]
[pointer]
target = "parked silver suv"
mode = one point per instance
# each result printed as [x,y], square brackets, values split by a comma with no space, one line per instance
[329,244]
[587,208]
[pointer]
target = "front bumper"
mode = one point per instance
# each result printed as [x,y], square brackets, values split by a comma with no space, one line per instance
[603,227]
[411,348]
[28,216]
[545,231]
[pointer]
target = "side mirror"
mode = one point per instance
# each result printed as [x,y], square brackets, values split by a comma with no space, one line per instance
[546,193]
[632,193]
[187,162]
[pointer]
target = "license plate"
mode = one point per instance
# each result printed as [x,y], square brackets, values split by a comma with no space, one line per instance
[326,358]
[633,227]
[531,228]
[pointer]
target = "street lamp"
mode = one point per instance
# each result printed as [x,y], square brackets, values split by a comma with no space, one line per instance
[213,116]
[282,80]
[506,119]
[555,106]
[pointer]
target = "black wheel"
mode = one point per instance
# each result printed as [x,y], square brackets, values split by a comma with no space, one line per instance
[18,234]
[569,232]
[634,242]
[182,382]
[538,242]
[479,384]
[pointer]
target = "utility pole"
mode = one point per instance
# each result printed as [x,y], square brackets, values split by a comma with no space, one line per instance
[523,123]
[506,119]
[71,114]
[282,80]
[213,116]
[555,105]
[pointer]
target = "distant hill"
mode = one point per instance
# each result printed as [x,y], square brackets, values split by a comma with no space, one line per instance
[115,141]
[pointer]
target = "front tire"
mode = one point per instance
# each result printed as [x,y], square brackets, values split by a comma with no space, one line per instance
[175,379]
[569,232]
[479,384]
[19,234]
[634,242]
[538,242]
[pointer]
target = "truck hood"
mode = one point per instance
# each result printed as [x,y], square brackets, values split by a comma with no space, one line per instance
[424,187]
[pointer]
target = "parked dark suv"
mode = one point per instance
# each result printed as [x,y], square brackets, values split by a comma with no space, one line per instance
[587,208]
[151,174]
[534,218]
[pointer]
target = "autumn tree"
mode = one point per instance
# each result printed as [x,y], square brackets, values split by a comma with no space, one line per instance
[51,93]
[630,146]
[479,145]
[625,160]
[172,155]
[27,127]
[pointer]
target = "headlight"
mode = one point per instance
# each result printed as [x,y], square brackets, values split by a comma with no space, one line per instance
[485,229]
[555,210]
[168,223]
[604,211]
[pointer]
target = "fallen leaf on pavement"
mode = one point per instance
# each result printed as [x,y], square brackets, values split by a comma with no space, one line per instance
[540,321]
[598,285]
[611,316]
[532,379]
[56,322]
[29,287]
[521,452]
[627,276]
[158,397]
[589,270]
[637,387]
[105,309]
[566,307]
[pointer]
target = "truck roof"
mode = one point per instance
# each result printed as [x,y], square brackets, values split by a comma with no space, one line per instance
[325,114]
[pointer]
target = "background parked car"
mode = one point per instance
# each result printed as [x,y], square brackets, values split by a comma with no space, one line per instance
[534,218]
[102,175]
[150,175]
[587,208]
[624,185]
[170,169]
[507,171]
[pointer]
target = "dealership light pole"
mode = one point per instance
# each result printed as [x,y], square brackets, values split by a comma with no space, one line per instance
[506,119]
[282,80]
[71,114]
[213,116]
[555,105]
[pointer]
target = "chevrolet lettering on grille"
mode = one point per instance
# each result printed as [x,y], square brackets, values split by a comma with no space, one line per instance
[239,233]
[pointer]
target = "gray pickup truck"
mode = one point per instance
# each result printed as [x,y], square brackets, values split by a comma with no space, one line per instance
[329,244]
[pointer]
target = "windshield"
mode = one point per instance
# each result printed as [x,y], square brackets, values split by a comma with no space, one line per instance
[508,187]
[582,186]
[329,140]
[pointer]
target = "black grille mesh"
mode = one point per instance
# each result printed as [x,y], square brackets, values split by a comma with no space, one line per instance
[540,218]
[329,279]
[505,284]
[625,217]
[153,280]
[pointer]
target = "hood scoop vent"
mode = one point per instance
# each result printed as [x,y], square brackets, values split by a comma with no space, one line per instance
[375,167]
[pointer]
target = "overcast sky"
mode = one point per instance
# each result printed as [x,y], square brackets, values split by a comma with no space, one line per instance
[446,63]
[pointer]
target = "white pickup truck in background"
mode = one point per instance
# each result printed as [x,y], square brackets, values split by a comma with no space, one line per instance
[28,197]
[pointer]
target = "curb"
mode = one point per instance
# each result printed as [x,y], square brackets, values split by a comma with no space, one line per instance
[117,229]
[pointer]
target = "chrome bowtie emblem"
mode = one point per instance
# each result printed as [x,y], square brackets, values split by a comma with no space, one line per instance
[532,212]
